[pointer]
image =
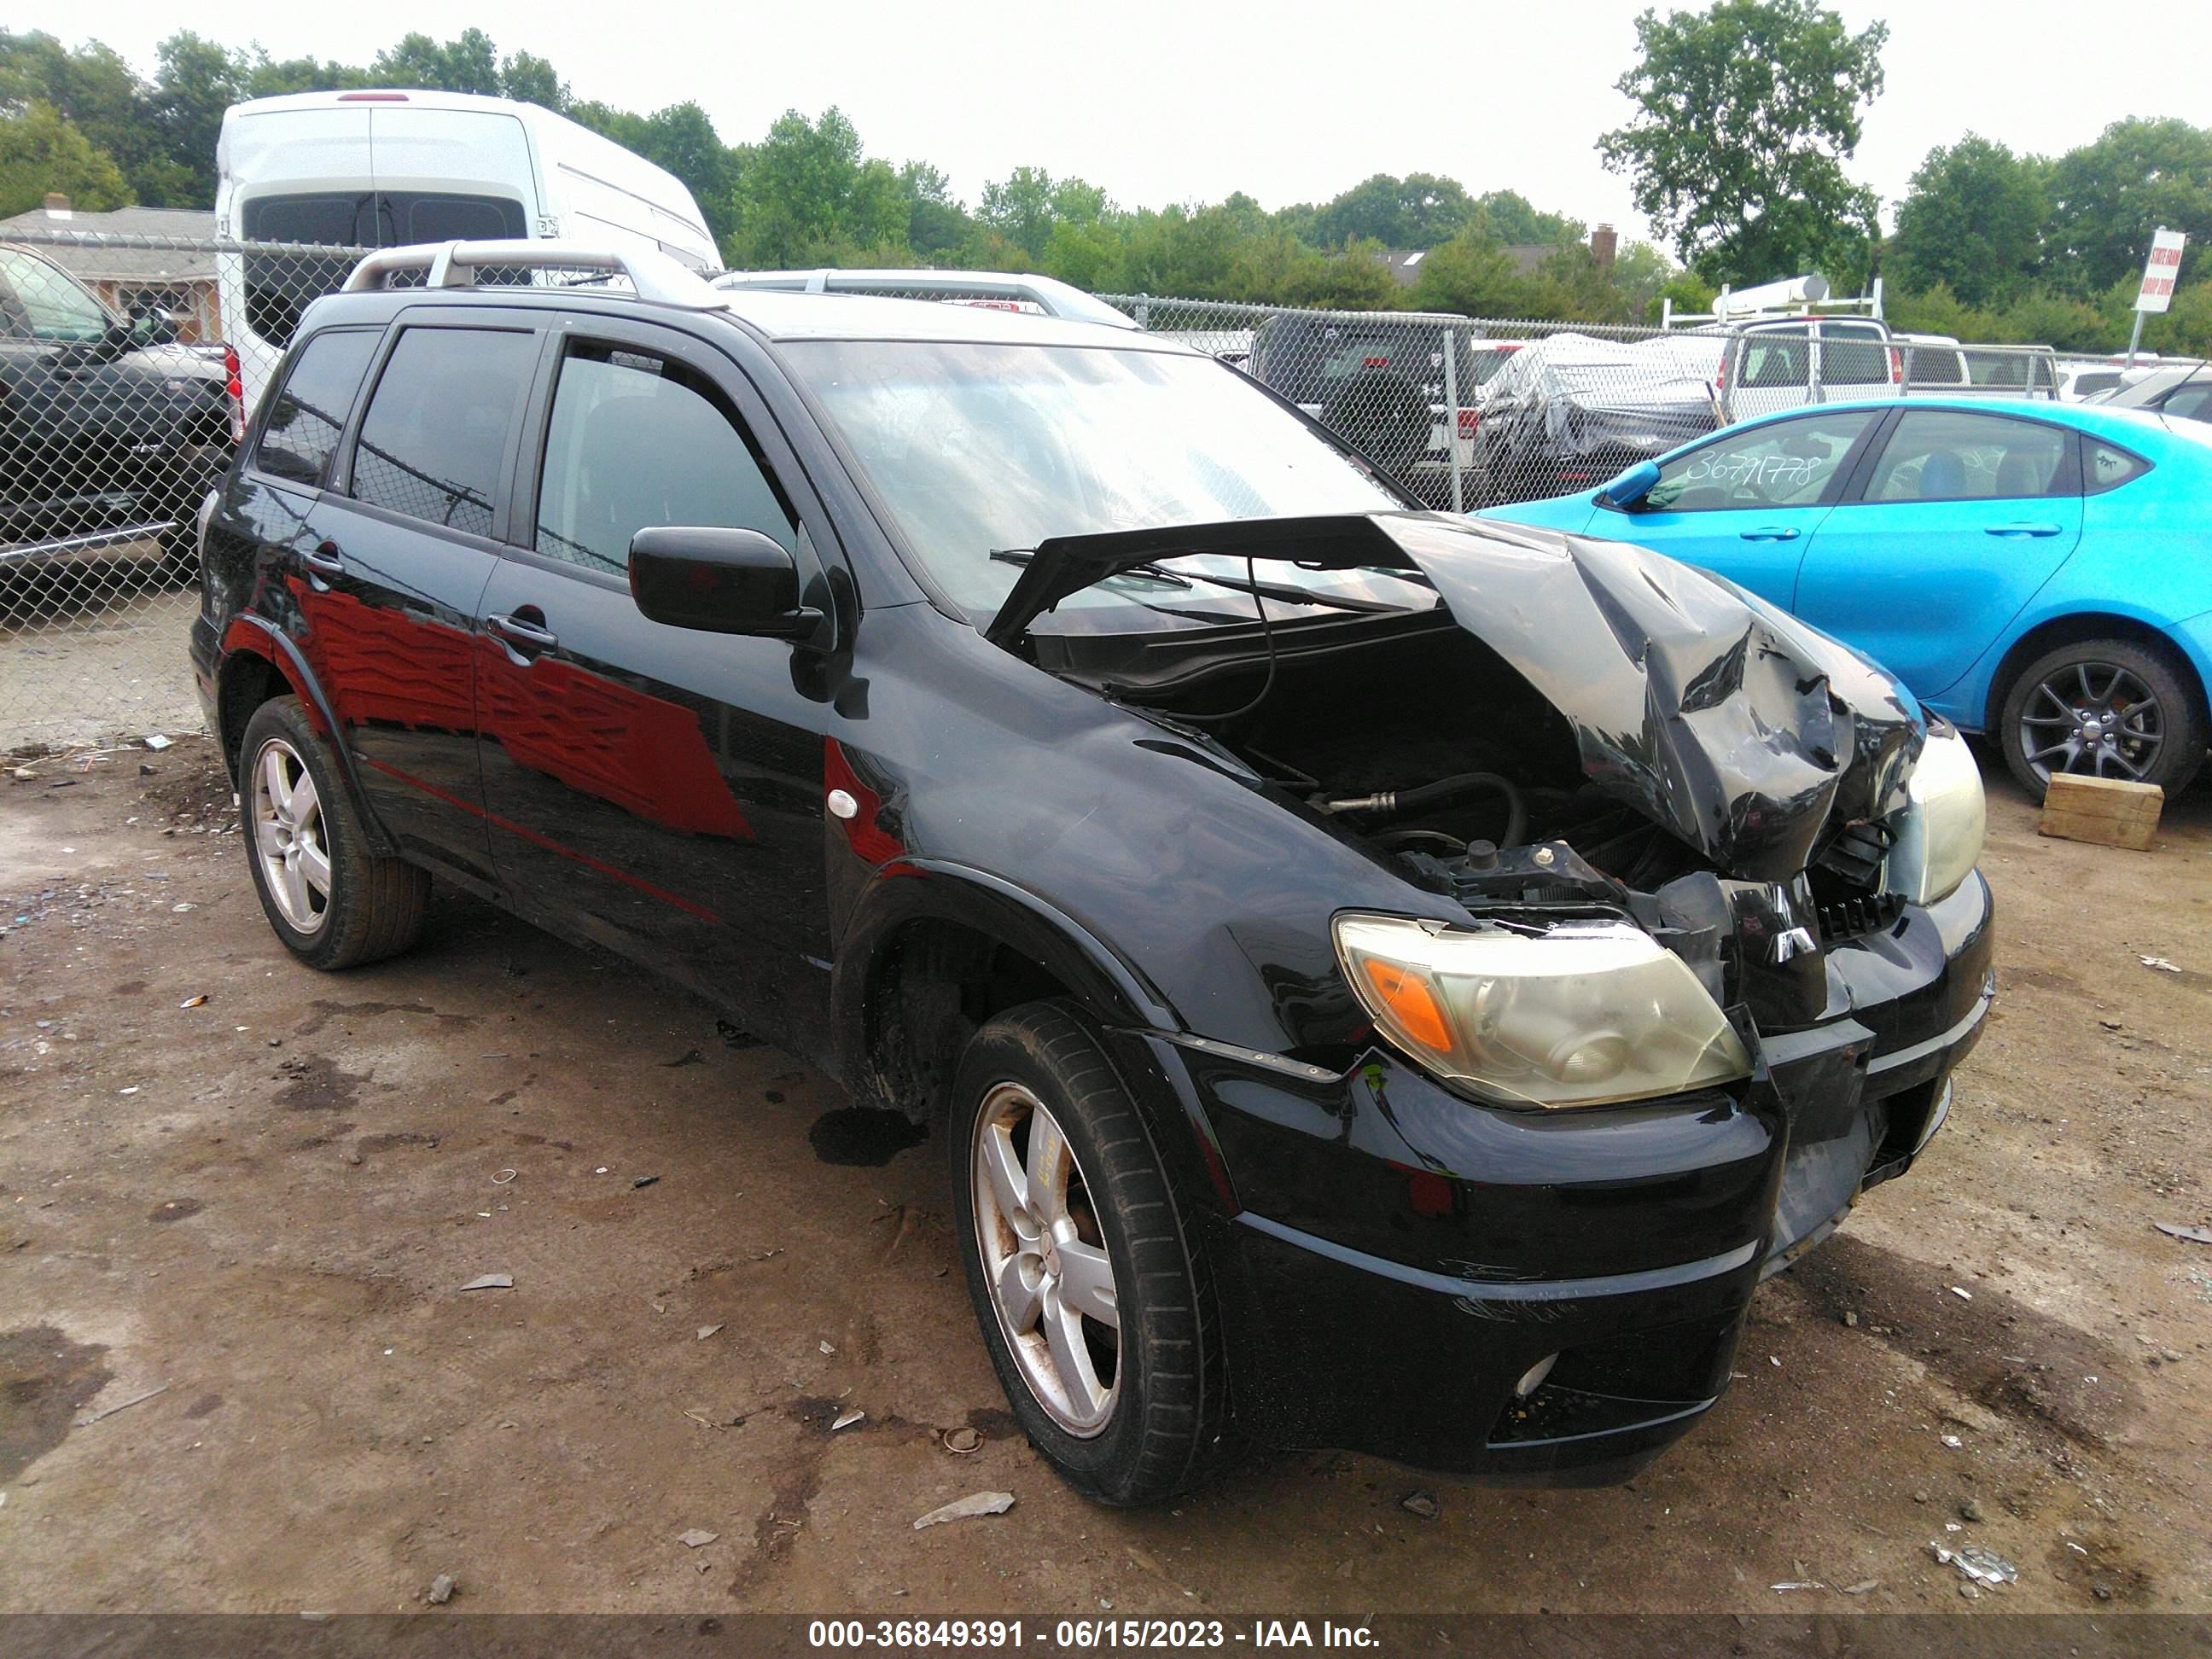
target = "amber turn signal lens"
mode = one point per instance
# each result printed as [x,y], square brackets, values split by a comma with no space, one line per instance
[1405,994]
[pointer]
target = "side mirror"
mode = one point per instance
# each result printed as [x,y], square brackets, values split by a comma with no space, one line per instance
[718,581]
[1633,485]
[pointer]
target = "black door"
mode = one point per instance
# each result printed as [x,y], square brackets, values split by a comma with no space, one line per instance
[656,789]
[387,579]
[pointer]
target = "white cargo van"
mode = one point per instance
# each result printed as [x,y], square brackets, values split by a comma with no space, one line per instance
[377,168]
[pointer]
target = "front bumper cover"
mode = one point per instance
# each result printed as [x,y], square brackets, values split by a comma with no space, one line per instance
[1393,1259]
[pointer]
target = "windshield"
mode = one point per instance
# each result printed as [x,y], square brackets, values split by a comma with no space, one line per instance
[978,449]
[38,302]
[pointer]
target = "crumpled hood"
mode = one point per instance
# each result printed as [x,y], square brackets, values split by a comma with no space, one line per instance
[1743,731]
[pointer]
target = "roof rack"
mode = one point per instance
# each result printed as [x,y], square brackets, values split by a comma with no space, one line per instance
[652,276]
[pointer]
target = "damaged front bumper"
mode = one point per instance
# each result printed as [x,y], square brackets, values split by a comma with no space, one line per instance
[1554,1297]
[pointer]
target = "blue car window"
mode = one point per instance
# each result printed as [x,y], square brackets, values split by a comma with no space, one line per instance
[1950,455]
[2104,467]
[1789,464]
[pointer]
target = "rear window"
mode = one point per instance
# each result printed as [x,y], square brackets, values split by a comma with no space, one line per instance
[1306,362]
[2088,385]
[304,422]
[433,442]
[280,285]
[1853,357]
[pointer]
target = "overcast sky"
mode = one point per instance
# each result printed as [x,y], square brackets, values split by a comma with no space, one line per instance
[1163,103]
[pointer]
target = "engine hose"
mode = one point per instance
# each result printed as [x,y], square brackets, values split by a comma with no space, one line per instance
[1414,802]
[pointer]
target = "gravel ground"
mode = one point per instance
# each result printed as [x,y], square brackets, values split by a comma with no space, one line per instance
[94,648]
[238,1370]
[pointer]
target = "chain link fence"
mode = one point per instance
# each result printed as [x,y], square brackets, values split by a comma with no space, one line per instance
[130,364]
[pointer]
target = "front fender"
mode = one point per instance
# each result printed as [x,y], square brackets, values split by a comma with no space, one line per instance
[1112,990]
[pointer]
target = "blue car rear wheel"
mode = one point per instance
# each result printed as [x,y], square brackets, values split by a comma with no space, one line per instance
[2108,709]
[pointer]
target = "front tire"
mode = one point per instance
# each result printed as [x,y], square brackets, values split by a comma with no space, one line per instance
[333,903]
[1095,1304]
[2110,708]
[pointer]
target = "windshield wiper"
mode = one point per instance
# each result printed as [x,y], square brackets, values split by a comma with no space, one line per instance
[1282,592]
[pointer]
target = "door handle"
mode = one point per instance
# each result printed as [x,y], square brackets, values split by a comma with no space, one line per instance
[325,557]
[2023,530]
[529,637]
[1773,532]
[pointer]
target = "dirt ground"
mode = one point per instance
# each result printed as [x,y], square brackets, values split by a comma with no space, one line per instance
[239,1370]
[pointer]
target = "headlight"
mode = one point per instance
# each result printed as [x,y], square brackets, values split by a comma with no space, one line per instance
[1939,834]
[1586,1014]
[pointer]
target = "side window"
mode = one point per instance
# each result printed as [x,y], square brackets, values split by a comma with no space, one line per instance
[1777,358]
[436,435]
[1789,464]
[1853,357]
[1949,455]
[310,412]
[2104,467]
[638,439]
[2188,403]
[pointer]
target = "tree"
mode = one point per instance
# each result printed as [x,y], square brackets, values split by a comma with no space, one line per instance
[1974,219]
[1513,220]
[1420,210]
[1745,116]
[1026,205]
[1472,274]
[806,196]
[936,223]
[195,80]
[468,64]
[2109,195]
[41,151]
[529,79]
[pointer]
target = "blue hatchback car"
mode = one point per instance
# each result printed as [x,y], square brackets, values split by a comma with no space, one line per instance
[2041,572]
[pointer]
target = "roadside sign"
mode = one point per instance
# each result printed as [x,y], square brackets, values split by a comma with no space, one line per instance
[2159,273]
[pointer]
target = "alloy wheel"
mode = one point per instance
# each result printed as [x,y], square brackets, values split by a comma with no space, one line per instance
[289,837]
[1044,1258]
[2093,717]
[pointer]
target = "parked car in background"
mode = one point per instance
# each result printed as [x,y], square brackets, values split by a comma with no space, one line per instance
[1938,363]
[1570,410]
[110,433]
[1382,384]
[2080,380]
[984,707]
[1785,363]
[2041,572]
[2181,392]
[375,167]
[994,290]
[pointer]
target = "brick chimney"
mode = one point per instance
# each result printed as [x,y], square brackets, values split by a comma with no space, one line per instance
[57,205]
[1604,244]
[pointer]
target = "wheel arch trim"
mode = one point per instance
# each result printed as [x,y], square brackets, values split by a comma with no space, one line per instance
[2031,638]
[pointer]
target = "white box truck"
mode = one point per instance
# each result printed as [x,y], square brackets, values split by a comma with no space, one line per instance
[386,167]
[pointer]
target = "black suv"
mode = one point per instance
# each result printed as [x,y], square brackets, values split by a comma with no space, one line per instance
[110,432]
[1381,979]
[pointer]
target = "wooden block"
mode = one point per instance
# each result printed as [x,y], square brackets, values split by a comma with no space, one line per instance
[2108,811]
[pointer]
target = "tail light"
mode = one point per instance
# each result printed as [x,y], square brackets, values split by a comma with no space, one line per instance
[1469,419]
[234,386]
[1720,374]
[1375,362]
[1896,367]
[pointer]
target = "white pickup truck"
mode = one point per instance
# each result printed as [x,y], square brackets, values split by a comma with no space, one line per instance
[1784,362]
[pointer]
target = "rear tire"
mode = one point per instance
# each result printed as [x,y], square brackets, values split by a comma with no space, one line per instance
[1065,1212]
[333,903]
[2149,726]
